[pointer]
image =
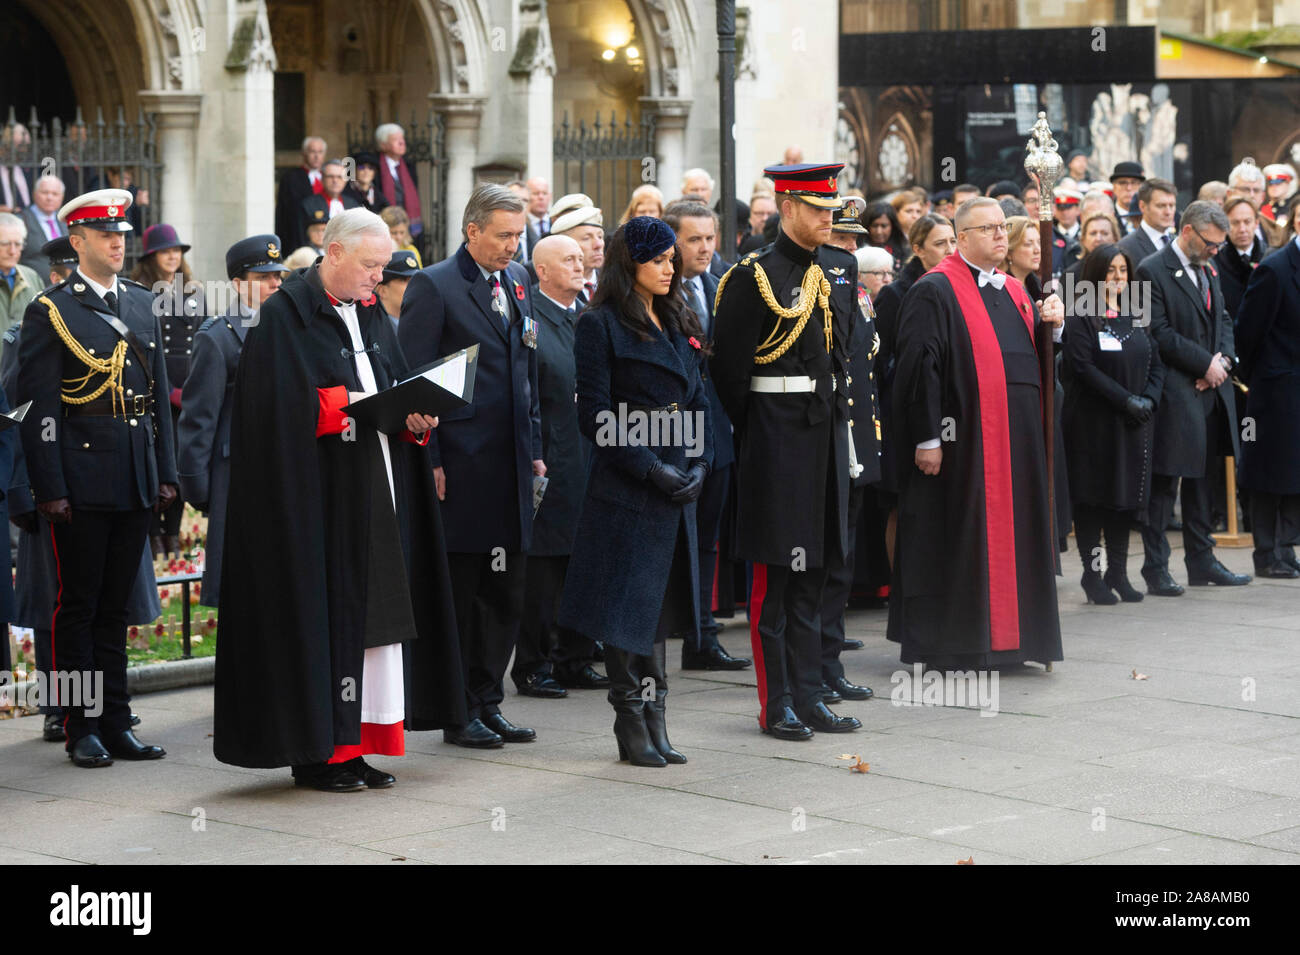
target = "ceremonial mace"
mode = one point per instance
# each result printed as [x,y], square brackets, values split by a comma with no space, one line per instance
[1044,165]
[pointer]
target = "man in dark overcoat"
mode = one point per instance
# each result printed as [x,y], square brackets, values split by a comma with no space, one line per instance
[1194,422]
[1268,343]
[486,454]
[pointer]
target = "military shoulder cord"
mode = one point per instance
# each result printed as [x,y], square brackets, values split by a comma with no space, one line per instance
[111,366]
[816,290]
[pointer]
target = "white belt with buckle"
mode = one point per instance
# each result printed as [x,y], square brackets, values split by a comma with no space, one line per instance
[777,385]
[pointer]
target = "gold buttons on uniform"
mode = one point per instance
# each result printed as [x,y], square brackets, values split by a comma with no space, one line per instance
[86,444]
[870,375]
[129,392]
[134,422]
[848,380]
[90,350]
[850,402]
[850,422]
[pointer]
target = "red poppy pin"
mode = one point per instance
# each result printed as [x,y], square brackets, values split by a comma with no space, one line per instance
[519,291]
[370,301]
[694,342]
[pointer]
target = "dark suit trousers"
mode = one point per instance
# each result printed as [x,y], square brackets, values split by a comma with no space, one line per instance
[839,587]
[98,557]
[1275,524]
[489,604]
[1198,540]
[544,647]
[45,665]
[785,633]
[708,523]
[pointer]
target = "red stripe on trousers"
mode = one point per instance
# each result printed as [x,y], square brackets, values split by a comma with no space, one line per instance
[382,739]
[995,444]
[756,596]
[54,659]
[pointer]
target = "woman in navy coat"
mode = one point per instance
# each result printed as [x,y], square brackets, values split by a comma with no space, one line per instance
[641,402]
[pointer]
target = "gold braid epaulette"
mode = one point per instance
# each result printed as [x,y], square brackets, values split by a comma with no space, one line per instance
[816,290]
[111,366]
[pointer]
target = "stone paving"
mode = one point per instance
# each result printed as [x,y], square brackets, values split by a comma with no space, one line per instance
[1198,763]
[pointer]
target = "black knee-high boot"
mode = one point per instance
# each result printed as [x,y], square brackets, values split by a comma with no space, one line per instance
[1087,530]
[1117,527]
[655,722]
[630,730]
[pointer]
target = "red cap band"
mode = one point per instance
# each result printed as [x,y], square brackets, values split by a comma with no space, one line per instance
[96,212]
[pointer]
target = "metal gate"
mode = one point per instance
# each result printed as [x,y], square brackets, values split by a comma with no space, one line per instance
[593,159]
[426,154]
[98,155]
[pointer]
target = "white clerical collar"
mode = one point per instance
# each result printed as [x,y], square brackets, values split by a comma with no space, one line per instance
[1155,235]
[991,274]
[100,290]
[560,305]
[313,175]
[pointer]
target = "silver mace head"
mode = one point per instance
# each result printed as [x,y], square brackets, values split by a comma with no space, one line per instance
[1044,165]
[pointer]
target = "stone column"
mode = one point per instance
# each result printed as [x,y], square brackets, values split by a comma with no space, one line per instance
[670,141]
[461,115]
[532,76]
[177,116]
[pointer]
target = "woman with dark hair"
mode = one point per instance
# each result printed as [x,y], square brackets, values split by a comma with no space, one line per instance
[884,231]
[932,239]
[641,402]
[1116,377]
[179,305]
[364,187]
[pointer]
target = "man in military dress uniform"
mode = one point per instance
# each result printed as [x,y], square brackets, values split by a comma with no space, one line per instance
[254,268]
[783,319]
[36,577]
[100,456]
[864,469]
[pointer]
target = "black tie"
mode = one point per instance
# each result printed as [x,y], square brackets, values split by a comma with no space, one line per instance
[111,301]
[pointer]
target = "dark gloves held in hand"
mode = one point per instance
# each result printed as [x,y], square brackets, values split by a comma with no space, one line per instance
[1139,408]
[56,512]
[666,478]
[690,491]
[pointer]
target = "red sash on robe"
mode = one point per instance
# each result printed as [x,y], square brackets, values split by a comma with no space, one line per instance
[410,195]
[991,382]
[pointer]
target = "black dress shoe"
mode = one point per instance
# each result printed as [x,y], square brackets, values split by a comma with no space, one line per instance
[1162,585]
[598,652]
[473,735]
[1215,573]
[373,778]
[787,726]
[125,746]
[1278,571]
[53,732]
[135,720]
[829,695]
[712,658]
[853,645]
[328,777]
[1291,562]
[89,753]
[508,731]
[588,678]
[850,691]
[824,720]
[542,686]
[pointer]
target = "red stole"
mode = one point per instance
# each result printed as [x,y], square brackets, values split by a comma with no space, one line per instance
[991,382]
[410,195]
[317,184]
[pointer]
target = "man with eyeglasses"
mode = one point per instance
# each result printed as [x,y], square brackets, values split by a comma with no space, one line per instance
[1195,420]
[974,565]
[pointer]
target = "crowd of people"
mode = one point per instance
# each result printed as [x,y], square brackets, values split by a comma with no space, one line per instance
[853,409]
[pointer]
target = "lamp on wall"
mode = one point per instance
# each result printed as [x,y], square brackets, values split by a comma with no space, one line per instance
[620,63]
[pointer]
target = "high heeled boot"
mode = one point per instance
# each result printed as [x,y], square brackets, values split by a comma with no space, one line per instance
[629,709]
[655,722]
[1117,560]
[1087,533]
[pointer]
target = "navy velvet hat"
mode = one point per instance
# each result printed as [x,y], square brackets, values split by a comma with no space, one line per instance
[646,237]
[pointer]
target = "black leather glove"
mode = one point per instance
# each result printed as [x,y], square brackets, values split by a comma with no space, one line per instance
[690,491]
[1138,408]
[25,522]
[666,477]
[58,511]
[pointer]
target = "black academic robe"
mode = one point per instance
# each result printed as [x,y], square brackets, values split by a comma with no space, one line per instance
[311,540]
[948,578]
